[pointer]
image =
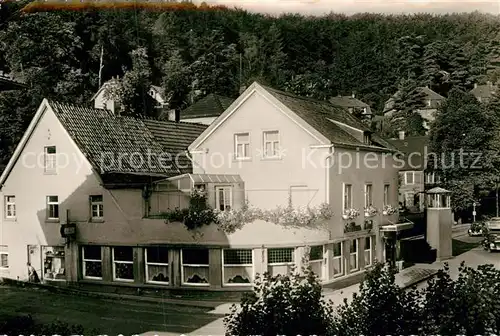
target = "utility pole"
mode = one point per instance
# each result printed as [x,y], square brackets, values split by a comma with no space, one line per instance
[496,198]
[101,65]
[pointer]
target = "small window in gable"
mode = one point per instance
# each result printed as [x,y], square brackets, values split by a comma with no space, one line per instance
[50,159]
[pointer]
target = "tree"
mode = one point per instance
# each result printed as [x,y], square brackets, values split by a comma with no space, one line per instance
[282,305]
[293,305]
[408,100]
[463,140]
[176,82]
[380,308]
[131,91]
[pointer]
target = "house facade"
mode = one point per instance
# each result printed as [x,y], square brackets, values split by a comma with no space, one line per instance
[413,173]
[111,179]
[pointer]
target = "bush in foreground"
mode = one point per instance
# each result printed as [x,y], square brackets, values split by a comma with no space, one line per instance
[26,325]
[293,305]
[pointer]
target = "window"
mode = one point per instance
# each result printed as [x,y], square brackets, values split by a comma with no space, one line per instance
[337,259]
[368,251]
[271,144]
[53,262]
[242,146]
[387,188]
[224,198]
[52,207]
[123,263]
[280,260]
[368,195]
[92,262]
[4,257]
[237,266]
[50,159]
[409,177]
[354,255]
[347,196]
[10,207]
[316,260]
[409,198]
[96,207]
[280,255]
[157,270]
[195,267]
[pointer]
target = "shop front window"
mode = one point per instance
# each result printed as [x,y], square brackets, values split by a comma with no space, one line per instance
[195,267]
[53,263]
[157,270]
[123,263]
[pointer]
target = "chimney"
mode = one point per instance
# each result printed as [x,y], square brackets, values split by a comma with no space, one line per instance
[401,135]
[475,85]
[353,95]
[168,114]
[242,89]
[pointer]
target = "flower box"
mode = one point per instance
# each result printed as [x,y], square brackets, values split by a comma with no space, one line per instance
[350,214]
[370,211]
[388,210]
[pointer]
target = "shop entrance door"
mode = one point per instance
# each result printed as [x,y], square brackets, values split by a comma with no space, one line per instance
[35,259]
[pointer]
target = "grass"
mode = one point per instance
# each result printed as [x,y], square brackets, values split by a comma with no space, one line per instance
[458,247]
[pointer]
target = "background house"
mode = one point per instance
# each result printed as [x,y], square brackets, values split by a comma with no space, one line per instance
[412,170]
[206,110]
[432,100]
[355,106]
[484,92]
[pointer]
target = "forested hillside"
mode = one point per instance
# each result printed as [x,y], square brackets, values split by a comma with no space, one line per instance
[192,51]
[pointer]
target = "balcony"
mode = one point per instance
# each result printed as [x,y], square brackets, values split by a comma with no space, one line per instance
[170,196]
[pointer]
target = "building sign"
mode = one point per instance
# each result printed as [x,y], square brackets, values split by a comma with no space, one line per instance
[68,230]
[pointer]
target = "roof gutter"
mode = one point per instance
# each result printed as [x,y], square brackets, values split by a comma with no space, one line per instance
[331,151]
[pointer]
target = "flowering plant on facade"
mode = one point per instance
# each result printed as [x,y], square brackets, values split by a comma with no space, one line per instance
[350,213]
[370,211]
[307,217]
[388,210]
[232,220]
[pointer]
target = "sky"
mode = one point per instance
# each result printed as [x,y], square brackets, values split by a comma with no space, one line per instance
[320,7]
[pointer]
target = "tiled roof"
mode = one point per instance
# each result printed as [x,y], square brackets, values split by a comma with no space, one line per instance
[175,139]
[321,114]
[484,91]
[210,106]
[347,101]
[114,144]
[411,145]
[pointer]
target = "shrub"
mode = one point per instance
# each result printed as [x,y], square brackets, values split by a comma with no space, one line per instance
[293,305]
[282,305]
[25,325]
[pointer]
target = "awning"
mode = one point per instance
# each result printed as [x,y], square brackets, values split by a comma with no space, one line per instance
[397,227]
[209,178]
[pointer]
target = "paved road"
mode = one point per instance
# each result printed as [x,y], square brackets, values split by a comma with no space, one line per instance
[108,317]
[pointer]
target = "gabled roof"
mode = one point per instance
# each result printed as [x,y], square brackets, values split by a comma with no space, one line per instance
[484,91]
[321,119]
[431,94]
[212,105]
[175,138]
[348,101]
[411,145]
[114,145]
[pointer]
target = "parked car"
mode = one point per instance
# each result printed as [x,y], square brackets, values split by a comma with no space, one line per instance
[491,232]
[476,229]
